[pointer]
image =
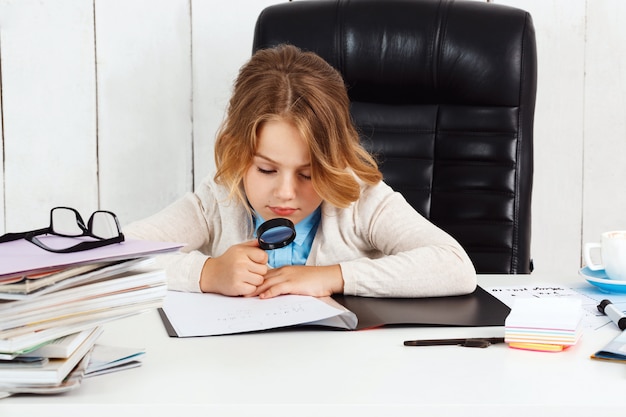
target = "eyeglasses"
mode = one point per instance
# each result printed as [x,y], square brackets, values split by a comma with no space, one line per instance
[102,226]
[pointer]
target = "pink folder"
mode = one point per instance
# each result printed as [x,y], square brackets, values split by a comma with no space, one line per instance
[21,257]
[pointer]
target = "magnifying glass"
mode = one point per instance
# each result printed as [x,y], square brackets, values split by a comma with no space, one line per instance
[276,233]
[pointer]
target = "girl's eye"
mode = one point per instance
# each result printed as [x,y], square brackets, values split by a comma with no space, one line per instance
[306,177]
[265,171]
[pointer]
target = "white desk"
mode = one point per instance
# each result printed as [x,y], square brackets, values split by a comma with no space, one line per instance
[321,372]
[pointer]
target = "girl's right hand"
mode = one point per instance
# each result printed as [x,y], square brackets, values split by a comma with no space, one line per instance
[238,271]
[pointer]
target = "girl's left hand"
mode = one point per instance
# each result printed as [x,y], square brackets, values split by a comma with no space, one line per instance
[317,281]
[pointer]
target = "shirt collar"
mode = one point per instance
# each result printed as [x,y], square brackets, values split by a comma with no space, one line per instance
[307,225]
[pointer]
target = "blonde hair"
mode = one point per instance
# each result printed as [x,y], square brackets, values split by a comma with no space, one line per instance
[285,83]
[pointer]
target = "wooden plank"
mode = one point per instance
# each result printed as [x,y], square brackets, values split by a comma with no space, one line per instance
[2,224]
[604,202]
[48,109]
[222,42]
[558,138]
[144,104]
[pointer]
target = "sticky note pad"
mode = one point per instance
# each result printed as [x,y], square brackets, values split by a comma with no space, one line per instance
[541,347]
[544,321]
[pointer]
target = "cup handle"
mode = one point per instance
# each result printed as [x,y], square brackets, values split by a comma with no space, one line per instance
[587,255]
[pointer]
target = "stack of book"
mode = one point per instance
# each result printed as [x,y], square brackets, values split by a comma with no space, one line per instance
[544,324]
[53,306]
[614,351]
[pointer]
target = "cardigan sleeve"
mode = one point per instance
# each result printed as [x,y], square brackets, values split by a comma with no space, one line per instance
[409,256]
[184,221]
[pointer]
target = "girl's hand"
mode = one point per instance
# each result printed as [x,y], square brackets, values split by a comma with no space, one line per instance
[317,281]
[239,271]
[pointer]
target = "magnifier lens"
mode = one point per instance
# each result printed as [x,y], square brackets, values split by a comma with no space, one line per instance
[276,233]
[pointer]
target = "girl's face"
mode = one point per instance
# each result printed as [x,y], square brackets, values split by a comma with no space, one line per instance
[278,182]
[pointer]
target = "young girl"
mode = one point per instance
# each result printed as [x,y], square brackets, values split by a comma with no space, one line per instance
[288,149]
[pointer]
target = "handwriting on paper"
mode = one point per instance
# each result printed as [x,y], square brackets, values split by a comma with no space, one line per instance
[195,314]
[589,299]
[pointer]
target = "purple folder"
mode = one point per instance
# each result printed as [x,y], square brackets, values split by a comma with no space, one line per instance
[21,257]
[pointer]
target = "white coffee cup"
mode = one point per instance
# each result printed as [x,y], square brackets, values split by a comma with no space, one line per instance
[613,253]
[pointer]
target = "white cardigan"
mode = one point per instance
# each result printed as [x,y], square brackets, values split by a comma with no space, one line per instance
[383,246]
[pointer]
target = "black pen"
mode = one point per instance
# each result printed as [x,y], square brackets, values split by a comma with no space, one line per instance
[618,317]
[480,342]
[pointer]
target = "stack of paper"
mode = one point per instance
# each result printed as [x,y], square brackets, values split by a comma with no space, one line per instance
[614,351]
[48,371]
[105,359]
[550,324]
[52,307]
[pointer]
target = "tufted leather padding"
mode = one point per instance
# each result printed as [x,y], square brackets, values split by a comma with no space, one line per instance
[443,93]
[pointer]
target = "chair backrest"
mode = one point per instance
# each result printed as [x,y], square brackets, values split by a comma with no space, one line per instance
[443,92]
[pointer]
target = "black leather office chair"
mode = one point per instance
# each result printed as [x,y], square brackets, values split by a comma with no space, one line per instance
[443,92]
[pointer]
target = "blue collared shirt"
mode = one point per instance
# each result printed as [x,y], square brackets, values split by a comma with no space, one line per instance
[297,251]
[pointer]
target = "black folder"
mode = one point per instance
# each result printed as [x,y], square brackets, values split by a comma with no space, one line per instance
[472,310]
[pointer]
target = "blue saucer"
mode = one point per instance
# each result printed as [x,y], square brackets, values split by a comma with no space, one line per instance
[602,281]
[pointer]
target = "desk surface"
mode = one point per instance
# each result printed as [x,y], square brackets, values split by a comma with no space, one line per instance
[323,372]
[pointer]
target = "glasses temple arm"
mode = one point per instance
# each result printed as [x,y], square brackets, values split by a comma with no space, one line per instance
[9,237]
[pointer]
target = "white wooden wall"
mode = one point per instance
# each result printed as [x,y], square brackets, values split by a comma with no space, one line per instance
[114,104]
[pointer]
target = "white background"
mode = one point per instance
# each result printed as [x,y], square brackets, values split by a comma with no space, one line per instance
[114,104]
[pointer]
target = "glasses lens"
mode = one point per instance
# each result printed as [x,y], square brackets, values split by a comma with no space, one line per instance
[104,225]
[66,222]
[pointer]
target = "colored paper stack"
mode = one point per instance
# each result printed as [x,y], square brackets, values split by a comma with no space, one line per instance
[544,324]
[53,306]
